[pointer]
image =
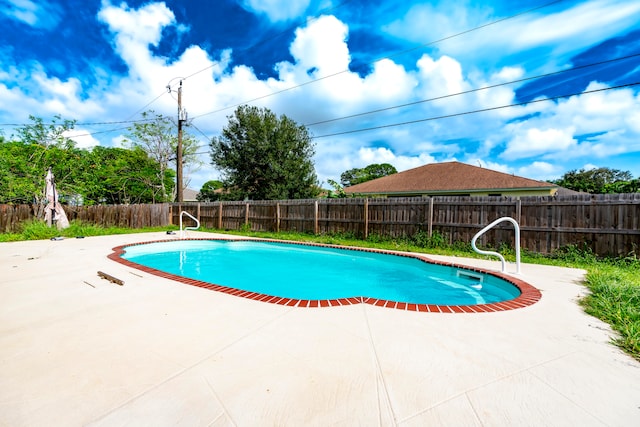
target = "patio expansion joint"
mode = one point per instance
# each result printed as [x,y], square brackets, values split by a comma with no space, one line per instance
[192,366]
[225,412]
[379,375]
[527,369]
[585,409]
[473,409]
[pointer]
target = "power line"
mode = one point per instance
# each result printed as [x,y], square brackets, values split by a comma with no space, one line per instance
[473,90]
[551,98]
[81,124]
[302,84]
[148,104]
[382,58]
[196,128]
[372,111]
[98,132]
[117,122]
[472,29]
[579,67]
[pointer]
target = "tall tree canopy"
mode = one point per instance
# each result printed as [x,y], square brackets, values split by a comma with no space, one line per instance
[599,181]
[47,134]
[263,157]
[101,175]
[24,160]
[358,175]
[121,176]
[208,191]
[157,135]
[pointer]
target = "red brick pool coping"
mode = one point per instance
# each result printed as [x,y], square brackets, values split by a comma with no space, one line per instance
[528,294]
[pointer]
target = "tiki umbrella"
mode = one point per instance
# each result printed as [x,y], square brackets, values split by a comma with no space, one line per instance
[53,213]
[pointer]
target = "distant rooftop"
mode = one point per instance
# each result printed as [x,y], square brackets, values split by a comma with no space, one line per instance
[448,177]
[189,194]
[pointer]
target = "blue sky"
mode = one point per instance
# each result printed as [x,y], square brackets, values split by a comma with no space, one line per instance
[325,63]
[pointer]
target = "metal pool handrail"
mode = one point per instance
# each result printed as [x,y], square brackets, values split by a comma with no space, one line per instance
[188,228]
[487,228]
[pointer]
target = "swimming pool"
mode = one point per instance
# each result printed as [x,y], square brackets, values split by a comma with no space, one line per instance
[322,275]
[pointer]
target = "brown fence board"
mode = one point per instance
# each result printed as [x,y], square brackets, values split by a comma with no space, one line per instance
[607,224]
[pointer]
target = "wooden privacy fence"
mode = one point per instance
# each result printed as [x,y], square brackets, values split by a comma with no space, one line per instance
[126,216]
[129,216]
[608,224]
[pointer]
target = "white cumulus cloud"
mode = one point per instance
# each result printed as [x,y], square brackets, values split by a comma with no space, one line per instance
[368,155]
[277,10]
[82,137]
[540,170]
[316,85]
[535,142]
[42,14]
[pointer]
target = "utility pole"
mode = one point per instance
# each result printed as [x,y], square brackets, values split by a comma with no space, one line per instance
[181,119]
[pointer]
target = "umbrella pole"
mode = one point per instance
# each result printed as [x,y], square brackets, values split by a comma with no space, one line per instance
[54,220]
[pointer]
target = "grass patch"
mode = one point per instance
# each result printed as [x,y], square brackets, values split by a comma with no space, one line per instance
[38,230]
[615,299]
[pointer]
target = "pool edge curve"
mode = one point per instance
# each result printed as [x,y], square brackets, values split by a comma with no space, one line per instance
[529,295]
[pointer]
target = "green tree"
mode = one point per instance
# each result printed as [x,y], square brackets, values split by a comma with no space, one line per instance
[208,191]
[337,192]
[23,167]
[24,160]
[263,157]
[46,134]
[157,135]
[17,183]
[102,175]
[121,176]
[630,186]
[358,175]
[596,181]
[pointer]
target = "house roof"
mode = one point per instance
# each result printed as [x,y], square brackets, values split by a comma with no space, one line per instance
[447,177]
[562,191]
[189,194]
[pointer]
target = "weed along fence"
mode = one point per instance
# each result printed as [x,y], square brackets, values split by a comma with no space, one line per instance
[607,224]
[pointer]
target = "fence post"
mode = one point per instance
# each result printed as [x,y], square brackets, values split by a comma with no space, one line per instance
[220,215]
[366,218]
[315,217]
[430,224]
[198,212]
[277,217]
[518,210]
[246,213]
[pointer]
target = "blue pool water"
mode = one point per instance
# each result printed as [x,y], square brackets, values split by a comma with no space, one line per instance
[317,273]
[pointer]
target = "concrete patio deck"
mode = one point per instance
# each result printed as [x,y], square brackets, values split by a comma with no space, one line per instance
[78,350]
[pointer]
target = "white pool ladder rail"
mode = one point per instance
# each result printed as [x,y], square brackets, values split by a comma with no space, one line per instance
[490,226]
[183,231]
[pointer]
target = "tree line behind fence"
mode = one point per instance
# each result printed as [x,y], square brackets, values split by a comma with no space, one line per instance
[607,224]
